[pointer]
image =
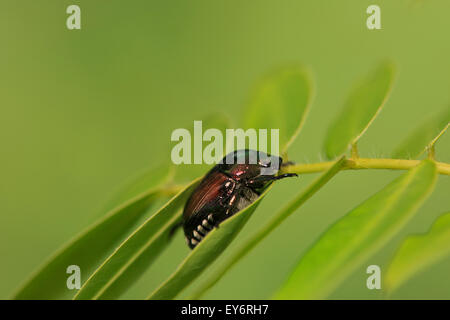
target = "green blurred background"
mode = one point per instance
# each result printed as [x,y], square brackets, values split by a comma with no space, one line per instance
[81,111]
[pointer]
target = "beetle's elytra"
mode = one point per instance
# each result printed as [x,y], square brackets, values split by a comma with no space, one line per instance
[228,187]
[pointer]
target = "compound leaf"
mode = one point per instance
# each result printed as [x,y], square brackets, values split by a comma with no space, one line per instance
[358,235]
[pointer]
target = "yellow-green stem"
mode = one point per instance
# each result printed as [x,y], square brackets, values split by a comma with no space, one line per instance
[364,163]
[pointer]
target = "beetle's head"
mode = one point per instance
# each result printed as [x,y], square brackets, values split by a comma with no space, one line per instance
[254,168]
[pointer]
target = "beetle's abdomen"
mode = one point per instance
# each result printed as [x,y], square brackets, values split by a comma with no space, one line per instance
[207,206]
[217,198]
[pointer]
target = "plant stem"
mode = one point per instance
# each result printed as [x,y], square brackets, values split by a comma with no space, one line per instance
[364,163]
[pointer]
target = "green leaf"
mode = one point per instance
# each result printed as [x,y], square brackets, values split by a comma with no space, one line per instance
[92,246]
[424,137]
[417,252]
[254,240]
[205,253]
[281,101]
[122,268]
[359,234]
[141,183]
[361,108]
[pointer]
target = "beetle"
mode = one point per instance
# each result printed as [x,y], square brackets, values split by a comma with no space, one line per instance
[231,185]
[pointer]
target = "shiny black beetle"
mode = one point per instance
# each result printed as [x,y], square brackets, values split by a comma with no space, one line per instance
[228,187]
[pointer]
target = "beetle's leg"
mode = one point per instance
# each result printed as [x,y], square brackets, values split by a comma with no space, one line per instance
[230,191]
[272,178]
[229,187]
[232,199]
[286,175]
[231,203]
[226,190]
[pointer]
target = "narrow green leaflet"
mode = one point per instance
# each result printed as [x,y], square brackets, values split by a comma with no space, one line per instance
[281,101]
[204,253]
[424,137]
[290,208]
[141,183]
[92,246]
[418,252]
[360,109]
[124,266]
[358,235]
